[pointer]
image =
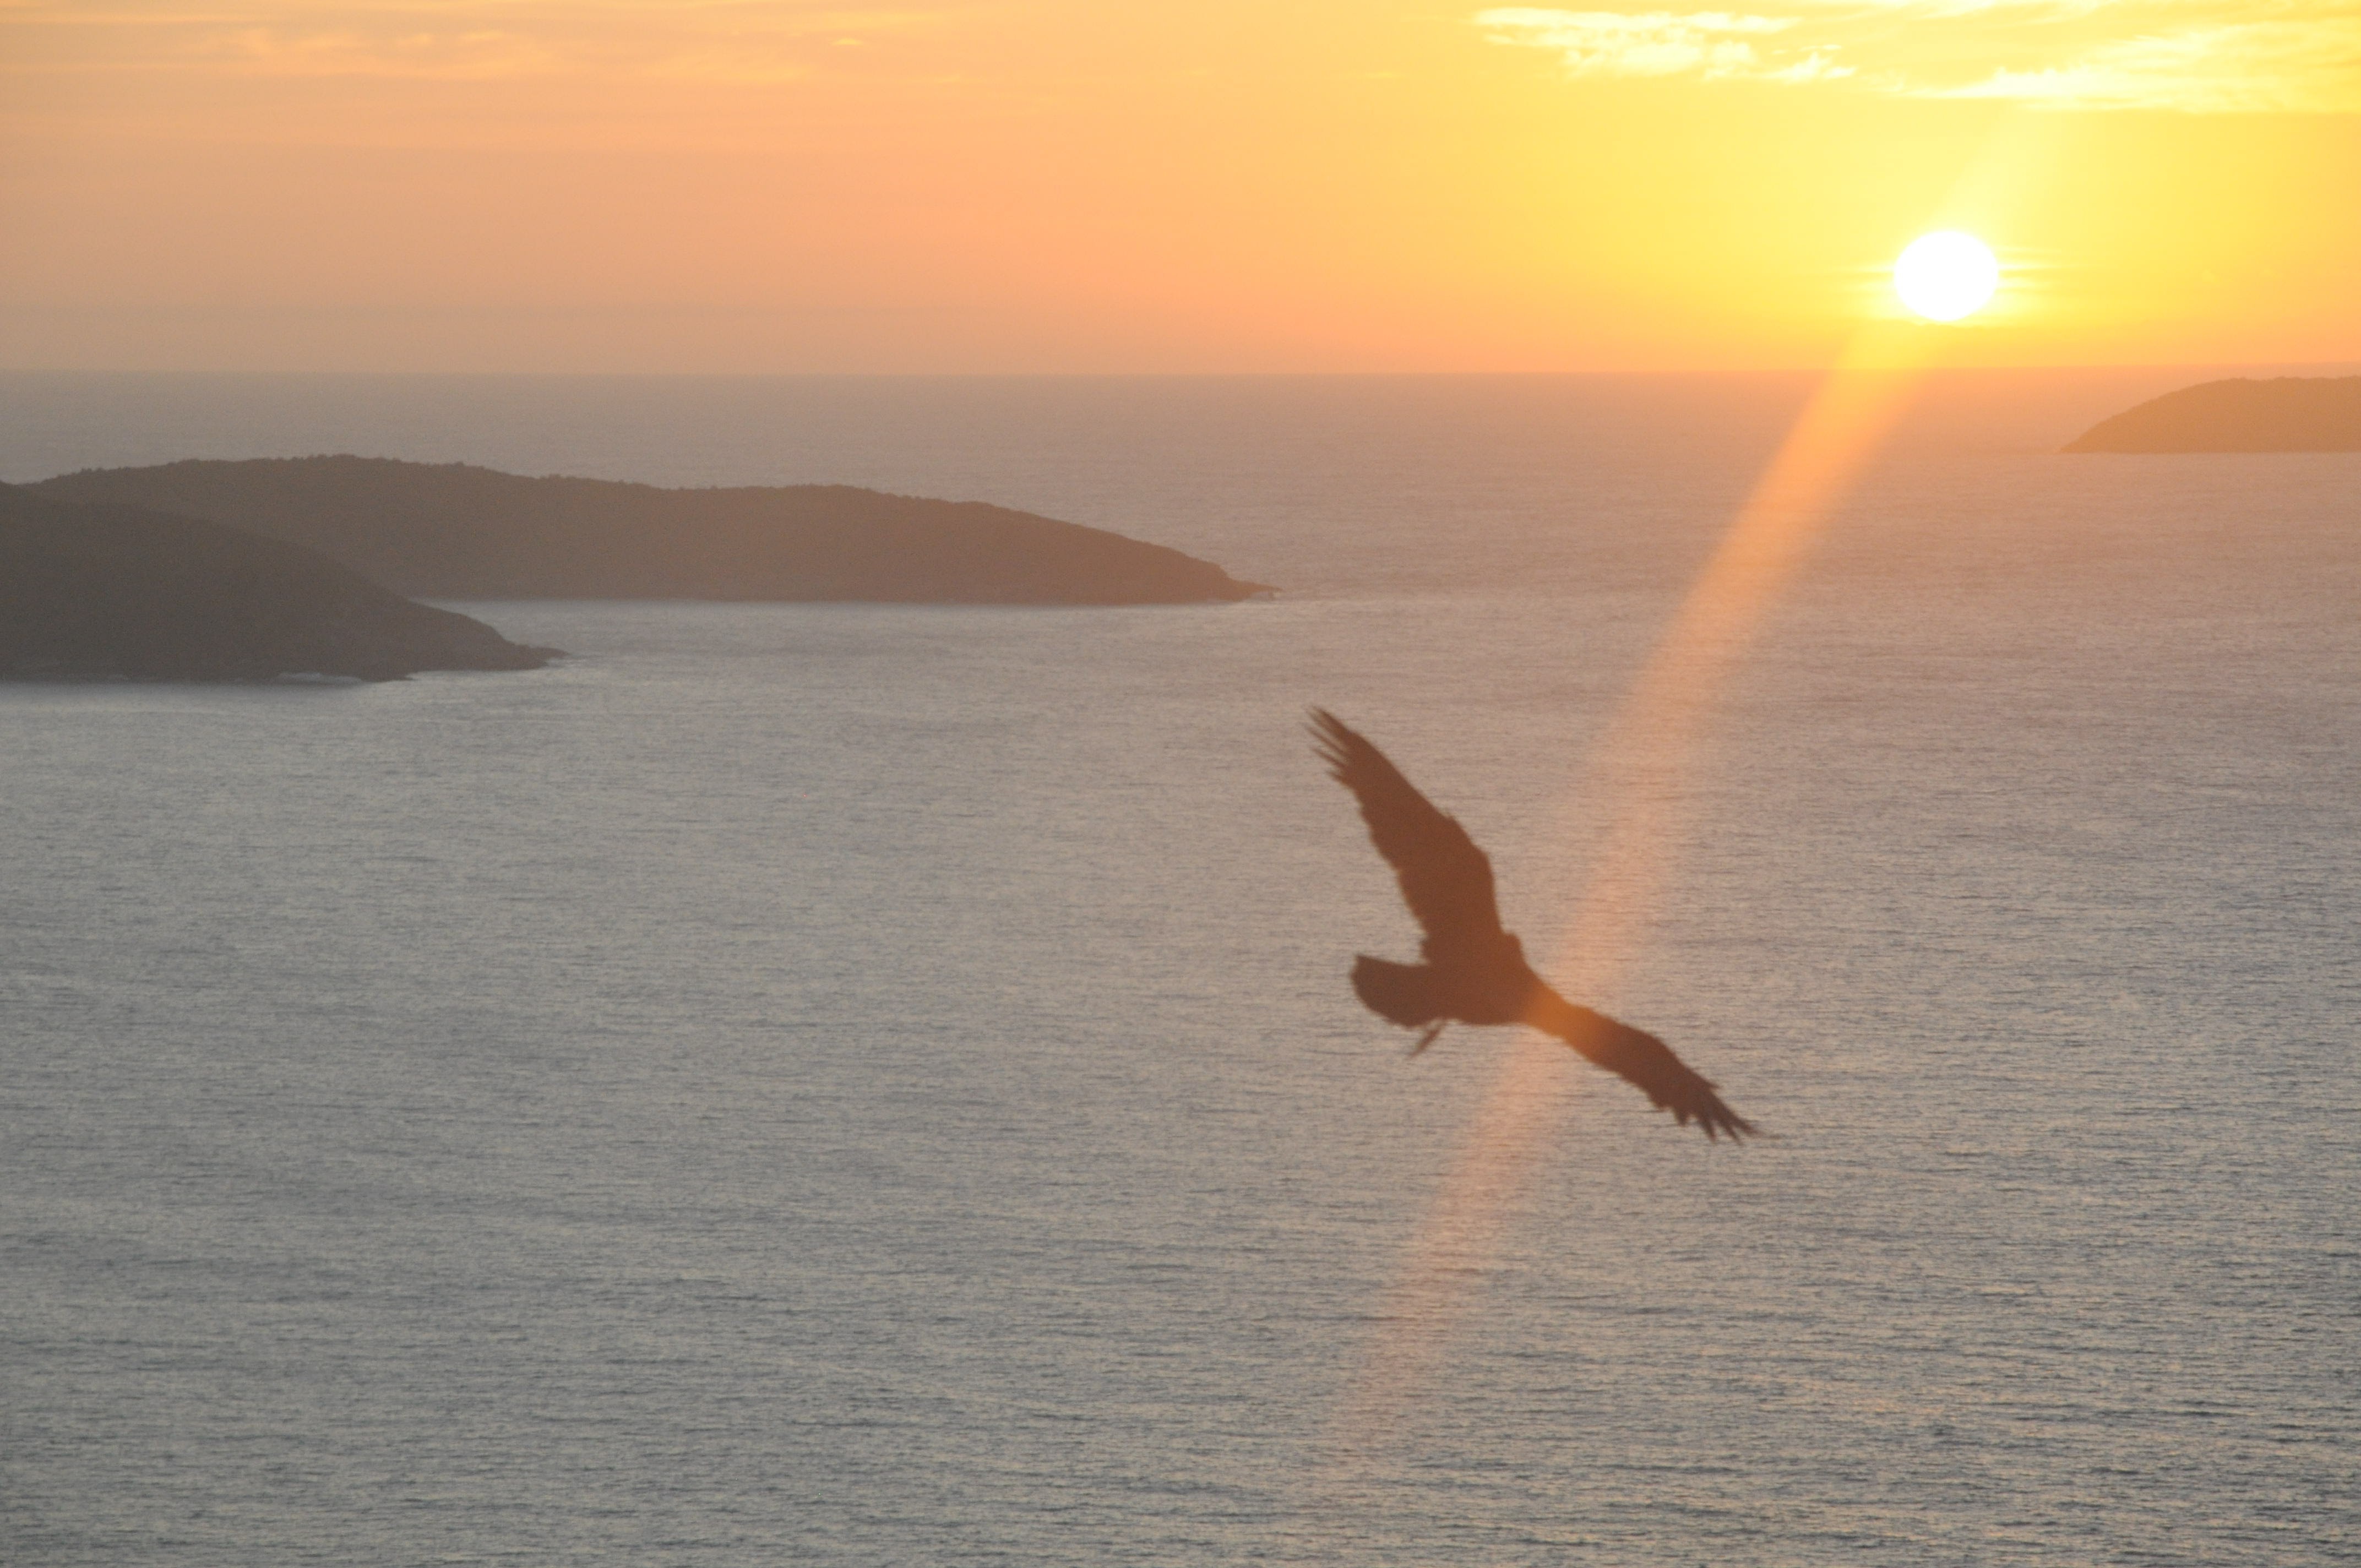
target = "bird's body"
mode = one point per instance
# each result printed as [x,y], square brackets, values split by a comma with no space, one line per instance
[1475,971]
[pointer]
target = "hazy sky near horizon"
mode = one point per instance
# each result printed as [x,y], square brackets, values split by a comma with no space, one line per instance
[1051,185]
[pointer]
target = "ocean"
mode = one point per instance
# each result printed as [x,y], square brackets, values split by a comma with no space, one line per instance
[877,1084]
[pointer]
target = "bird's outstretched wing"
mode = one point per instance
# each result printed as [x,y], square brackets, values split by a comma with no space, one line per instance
[1446,879]
[1643,1059]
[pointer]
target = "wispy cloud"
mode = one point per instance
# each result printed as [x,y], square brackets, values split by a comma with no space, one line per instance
[2286,67]
[2192,56]
[1714,45]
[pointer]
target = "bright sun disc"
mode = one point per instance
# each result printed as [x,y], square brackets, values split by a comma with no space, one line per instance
[1946,275]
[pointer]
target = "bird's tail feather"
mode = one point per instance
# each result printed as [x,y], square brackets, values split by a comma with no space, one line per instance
[1400,994]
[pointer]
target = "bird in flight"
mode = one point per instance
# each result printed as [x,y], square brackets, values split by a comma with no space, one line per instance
[1476,973]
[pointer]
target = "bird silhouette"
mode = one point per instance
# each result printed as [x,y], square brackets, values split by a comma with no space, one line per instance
[1476,973]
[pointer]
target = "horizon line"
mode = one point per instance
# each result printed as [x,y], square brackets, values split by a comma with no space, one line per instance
[2350,365]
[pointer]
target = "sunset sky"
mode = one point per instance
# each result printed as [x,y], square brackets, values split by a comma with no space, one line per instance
[1057,185]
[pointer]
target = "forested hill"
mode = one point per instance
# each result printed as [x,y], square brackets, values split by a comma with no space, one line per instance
[122,592]
[454,530]
[2290,413]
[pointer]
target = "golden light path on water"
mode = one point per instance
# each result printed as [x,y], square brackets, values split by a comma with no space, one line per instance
[1646,752]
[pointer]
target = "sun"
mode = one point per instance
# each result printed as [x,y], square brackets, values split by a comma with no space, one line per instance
[1946,275]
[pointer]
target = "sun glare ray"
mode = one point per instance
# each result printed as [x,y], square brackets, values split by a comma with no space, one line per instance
[1643,761]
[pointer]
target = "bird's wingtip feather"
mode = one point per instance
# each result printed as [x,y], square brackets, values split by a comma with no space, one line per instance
[1332,738]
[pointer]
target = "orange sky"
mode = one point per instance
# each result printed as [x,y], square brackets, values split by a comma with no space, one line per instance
[1049,185]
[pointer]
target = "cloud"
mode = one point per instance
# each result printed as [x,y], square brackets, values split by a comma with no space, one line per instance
[1714,45]
[2283,67]
[2188,56]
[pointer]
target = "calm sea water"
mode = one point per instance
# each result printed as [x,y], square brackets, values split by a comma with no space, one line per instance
[877,1085]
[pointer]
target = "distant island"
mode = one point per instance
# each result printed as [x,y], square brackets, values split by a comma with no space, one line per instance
[453,530]
[121,592]
[2292,414]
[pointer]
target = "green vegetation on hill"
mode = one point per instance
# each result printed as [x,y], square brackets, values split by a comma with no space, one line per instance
[2292,413]
[454,530]
[96,591]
